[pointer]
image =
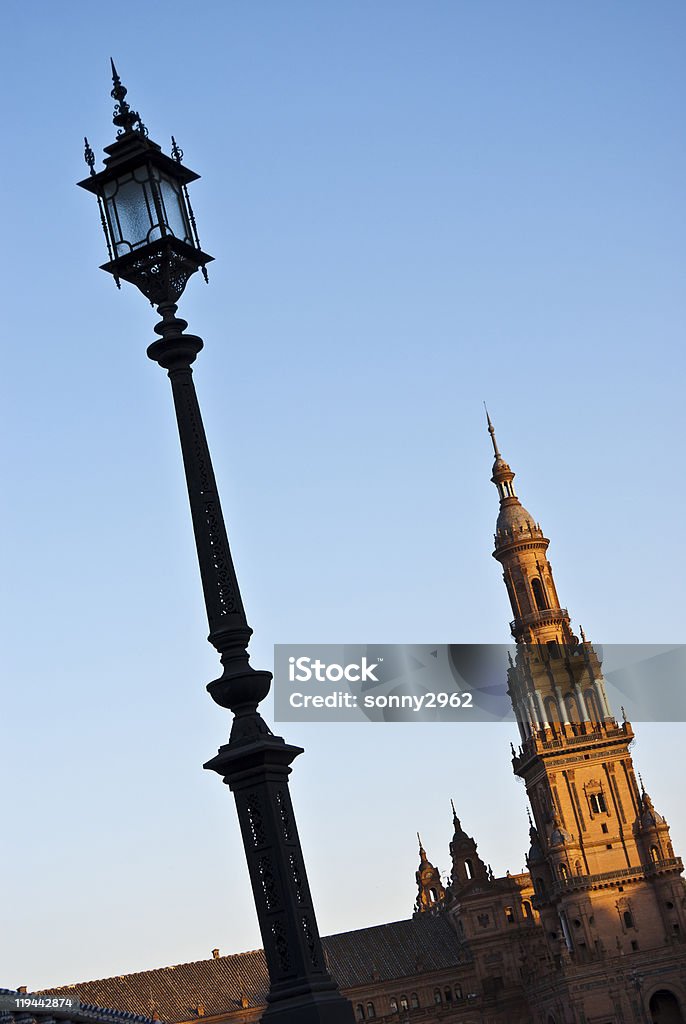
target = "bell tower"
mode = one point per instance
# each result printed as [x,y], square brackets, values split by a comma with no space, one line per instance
[607,883]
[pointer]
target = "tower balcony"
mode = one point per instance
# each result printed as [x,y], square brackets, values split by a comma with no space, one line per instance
[592,735]
[541,617]
[574,883]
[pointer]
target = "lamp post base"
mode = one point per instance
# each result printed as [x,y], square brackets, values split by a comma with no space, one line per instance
[256,764]
[313,1010]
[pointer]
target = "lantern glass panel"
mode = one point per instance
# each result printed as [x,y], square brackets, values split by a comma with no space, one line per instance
[131,211]
[174,209]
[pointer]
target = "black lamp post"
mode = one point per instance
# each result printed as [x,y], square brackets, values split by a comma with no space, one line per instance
[153,243]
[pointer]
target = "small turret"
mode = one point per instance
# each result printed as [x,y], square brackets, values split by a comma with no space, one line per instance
[467,865]
[430,888]
[535,854]
[652,831]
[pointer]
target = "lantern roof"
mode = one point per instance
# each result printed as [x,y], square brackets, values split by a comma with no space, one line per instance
[132,147]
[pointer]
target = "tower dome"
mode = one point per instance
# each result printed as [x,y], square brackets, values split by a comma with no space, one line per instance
[513,518]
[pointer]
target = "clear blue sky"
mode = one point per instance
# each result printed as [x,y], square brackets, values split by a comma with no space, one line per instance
[413,207]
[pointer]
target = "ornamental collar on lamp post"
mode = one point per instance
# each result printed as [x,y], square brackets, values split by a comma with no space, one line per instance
[145,210]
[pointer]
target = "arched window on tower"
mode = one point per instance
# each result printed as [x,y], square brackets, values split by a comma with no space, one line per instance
[438,998]
[564,872]
[654,854]
[414,1001]
[371,1012]
[394,1005]
[469,868]
[359,1011]
[539,594]
[597,801]
[628,919]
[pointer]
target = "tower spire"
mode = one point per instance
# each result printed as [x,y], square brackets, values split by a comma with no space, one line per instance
[457,826]
[491,431]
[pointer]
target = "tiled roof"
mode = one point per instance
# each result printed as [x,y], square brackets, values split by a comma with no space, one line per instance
[399,950]
[365,957]
[85,1014]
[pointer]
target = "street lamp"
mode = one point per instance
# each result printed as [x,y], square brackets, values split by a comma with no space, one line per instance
[153,243]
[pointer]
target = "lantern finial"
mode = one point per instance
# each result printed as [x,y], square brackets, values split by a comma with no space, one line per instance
[124,117]
[89,156]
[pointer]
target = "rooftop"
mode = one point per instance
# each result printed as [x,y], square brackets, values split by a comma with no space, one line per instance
[364,957]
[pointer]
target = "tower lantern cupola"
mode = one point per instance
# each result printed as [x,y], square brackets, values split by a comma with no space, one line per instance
[502,474]
[521,547]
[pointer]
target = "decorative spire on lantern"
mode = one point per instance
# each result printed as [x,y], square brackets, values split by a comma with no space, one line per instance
[124,117]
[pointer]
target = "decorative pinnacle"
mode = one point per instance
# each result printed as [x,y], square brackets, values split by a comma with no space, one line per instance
[419,840]
[123,116]
[452,804]
[89,155]
[640,779]
[491,431]
[176,151]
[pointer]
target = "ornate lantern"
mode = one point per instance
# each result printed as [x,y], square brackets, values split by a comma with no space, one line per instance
[146,214]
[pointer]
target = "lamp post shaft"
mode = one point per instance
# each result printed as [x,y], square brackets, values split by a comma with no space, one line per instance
[254,763]
[225,612]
